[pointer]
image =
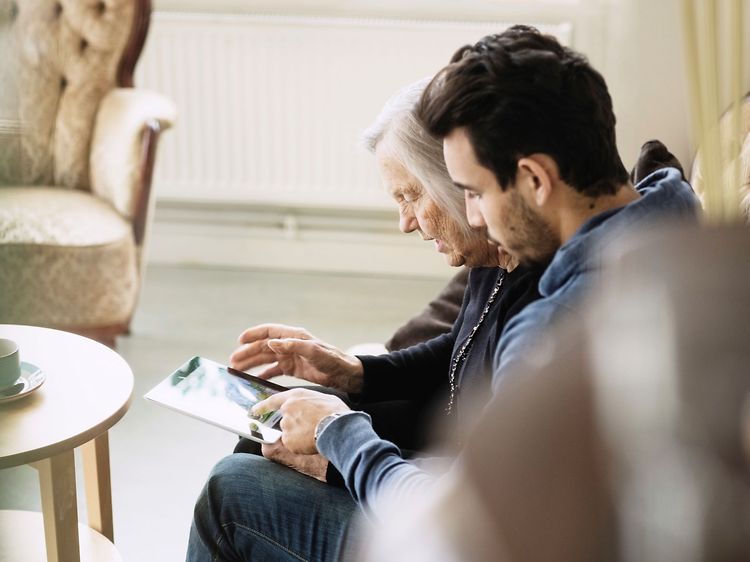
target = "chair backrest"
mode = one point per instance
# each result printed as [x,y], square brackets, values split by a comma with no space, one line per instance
[58,58]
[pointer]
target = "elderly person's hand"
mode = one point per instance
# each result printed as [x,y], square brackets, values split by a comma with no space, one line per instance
[302,410]
[311,465]
[294,351]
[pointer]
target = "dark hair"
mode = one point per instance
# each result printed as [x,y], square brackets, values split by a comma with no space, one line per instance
[519,93]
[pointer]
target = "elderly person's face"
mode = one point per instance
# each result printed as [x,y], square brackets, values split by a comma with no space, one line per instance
[417,211]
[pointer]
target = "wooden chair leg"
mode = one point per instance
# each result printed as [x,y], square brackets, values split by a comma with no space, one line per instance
[96,476]
[57,480]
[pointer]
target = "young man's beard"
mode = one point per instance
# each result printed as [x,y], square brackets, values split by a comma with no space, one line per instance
[534,242]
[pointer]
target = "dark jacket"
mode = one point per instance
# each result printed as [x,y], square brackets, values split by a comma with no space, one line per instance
[421,372]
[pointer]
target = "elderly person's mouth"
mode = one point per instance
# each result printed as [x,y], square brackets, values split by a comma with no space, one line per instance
[439,244]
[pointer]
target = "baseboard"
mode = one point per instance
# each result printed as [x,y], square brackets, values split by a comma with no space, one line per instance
[291,239]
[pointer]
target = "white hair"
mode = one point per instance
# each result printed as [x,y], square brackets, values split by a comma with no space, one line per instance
[419,151]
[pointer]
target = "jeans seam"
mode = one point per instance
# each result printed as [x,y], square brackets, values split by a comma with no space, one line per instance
[219,540]
[269,539]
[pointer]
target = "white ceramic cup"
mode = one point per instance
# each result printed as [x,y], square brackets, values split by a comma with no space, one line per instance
[10,362]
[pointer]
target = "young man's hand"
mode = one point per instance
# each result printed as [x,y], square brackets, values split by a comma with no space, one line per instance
[302,410]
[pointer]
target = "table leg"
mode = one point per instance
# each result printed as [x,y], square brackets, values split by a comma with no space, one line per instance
[57,479]
[98,483]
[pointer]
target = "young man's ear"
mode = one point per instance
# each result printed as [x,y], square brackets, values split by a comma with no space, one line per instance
[534,171]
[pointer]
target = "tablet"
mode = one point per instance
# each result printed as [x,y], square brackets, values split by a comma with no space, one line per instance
[221,396]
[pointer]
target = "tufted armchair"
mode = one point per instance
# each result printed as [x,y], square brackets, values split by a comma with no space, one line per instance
[77,148]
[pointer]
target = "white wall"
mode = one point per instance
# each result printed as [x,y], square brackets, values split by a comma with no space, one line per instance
[636,44]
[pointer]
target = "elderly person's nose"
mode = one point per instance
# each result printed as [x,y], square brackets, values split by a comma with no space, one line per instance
[407,221]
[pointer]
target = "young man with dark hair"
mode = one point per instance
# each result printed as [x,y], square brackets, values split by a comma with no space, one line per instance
[529,134]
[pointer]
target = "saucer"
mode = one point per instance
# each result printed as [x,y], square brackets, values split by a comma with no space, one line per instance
[31,378]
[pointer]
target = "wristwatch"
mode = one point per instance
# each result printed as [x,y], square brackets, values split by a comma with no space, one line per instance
[323,423]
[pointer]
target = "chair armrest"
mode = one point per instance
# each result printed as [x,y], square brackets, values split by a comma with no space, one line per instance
[118,166]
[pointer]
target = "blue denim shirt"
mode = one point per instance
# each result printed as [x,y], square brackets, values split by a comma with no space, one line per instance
[371,466]
[575,265]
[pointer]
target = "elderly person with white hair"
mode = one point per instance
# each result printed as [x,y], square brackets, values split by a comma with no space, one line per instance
[401,390]
[396,388]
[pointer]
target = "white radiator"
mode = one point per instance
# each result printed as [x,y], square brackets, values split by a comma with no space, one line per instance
[271,107]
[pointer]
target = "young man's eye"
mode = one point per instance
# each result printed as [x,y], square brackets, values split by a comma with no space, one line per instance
[472,195]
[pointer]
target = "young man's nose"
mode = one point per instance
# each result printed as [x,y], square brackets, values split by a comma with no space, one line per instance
[473,214]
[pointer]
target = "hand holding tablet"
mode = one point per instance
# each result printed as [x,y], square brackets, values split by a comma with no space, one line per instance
[301,411]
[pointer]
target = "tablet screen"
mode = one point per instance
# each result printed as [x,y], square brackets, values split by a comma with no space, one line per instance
[216,393]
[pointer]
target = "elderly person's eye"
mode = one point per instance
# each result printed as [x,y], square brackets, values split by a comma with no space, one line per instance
[411,196]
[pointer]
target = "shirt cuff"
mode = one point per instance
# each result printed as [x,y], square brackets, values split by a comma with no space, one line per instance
[331,436]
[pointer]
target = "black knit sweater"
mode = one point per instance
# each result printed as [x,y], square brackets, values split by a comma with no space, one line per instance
[421,371]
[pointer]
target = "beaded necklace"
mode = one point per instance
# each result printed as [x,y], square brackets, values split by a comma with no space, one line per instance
[461,355]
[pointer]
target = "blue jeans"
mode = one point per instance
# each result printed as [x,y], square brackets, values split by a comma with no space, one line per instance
[254,509]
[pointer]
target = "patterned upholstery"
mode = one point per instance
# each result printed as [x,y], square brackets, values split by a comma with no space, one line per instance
[58,242]
[76,154]
[66,55]
[696,176]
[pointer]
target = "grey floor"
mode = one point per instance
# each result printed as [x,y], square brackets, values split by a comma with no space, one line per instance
[160,458]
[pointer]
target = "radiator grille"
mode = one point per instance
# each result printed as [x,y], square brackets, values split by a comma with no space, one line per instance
[271,107]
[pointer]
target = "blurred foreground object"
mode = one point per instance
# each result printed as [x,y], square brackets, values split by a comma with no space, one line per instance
[623,437]
[672,393]
[77,149]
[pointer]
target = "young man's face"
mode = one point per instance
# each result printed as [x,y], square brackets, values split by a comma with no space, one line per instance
[510,220]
